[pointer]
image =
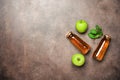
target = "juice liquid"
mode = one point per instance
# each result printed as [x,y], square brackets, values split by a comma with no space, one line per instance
[100,51]
[78,42]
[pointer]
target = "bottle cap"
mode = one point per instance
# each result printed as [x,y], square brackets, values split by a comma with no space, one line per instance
[68,34]
[107,36]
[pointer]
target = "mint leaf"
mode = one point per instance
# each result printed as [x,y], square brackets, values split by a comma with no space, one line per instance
[98,28]
[93,31]
[91,36]
[98,36]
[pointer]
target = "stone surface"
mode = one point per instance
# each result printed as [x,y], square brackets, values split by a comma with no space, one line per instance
[33,44]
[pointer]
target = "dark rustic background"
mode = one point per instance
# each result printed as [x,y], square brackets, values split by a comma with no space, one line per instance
[33,44]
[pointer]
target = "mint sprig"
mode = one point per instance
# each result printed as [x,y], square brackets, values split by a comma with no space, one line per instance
[95,33]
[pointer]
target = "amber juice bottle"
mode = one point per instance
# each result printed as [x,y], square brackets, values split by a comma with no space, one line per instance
[101,49]
[78,42]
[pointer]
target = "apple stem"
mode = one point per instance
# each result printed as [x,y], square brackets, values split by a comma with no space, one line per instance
[78,59]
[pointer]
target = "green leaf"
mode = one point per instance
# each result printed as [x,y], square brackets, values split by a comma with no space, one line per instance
[100,32]
[93,31]
[97,36]
[98,28]
[91,36]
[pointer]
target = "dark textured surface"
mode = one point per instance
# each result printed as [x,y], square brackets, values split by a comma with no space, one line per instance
[33,44]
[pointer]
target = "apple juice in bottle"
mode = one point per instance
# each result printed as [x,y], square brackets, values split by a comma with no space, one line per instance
[78,42]
[101,49]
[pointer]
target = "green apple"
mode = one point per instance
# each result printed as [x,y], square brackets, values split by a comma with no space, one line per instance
[78,59]
[81,26]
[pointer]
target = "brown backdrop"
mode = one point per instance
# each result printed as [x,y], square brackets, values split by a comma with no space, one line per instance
[33,44]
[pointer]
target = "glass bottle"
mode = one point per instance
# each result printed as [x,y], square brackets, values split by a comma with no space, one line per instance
[101,49]
[78,42]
